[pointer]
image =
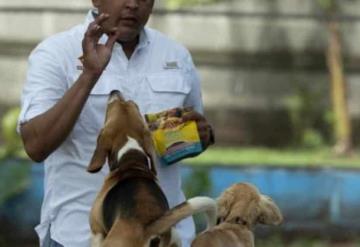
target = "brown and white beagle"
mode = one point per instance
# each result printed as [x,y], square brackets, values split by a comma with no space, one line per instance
[240,208]
[131,210]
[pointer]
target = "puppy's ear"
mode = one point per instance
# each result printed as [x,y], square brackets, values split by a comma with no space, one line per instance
[225,203]
[99,157]
[270,214]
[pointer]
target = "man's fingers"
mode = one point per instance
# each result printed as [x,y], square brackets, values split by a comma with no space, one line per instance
[101,18]
[203,134]
[195,116]
[204,128]
[93,35]
[203,125]
[205,138]
[94,32]
[95,28]
[112,38]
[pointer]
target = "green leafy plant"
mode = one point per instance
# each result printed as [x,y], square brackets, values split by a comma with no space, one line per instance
[14,178]
[12,146]
[312,139]
[196,184]
[326,4]
[304,109]
[14,167]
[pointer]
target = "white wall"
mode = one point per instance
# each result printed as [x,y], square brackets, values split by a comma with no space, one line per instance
[224,86]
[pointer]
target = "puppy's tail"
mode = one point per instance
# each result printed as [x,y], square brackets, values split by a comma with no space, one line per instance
[183,210]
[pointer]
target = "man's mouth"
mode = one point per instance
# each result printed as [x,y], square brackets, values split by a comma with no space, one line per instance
[129,21]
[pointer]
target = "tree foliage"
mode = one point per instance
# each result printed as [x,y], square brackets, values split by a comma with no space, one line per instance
[327,4]
[13,146]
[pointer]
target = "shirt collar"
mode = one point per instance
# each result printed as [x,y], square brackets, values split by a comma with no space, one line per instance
[144,40]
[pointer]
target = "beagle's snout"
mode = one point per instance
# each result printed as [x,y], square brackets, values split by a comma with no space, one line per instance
[115,95]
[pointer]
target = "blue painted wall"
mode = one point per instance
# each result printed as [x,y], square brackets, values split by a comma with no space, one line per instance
[309,198]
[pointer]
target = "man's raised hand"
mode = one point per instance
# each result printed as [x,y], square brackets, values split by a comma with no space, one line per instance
[97,56]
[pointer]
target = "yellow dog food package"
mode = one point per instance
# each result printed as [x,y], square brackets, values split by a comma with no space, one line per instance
[173,139]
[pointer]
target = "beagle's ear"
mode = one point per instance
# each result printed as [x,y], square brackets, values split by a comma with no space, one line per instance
[153,162]
[99,157]
[150,151]
[225,203]
[270,214]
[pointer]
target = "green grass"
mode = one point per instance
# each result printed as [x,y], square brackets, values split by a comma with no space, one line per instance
[276,157]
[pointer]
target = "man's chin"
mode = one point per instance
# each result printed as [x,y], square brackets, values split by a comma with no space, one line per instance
[127,36]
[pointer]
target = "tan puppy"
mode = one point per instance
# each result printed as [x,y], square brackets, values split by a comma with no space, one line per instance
[240,208]
[131,210]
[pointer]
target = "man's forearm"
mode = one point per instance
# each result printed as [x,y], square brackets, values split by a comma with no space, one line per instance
[46,132]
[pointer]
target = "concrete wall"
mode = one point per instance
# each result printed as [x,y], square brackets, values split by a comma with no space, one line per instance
[251,54]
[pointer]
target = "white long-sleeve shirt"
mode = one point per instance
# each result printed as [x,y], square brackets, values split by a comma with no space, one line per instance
[160,75]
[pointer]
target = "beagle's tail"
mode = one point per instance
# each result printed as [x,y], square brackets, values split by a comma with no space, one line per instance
[183,210]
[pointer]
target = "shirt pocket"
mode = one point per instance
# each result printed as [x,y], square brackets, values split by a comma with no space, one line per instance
[167,90]
[92,116]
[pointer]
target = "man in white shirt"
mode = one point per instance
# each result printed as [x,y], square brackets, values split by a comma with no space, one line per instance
[69,78]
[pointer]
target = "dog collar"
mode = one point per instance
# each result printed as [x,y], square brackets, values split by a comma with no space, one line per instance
[149,162]
[236,221]
[134,172]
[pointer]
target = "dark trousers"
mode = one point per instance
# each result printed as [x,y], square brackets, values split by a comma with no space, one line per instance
[48,242]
